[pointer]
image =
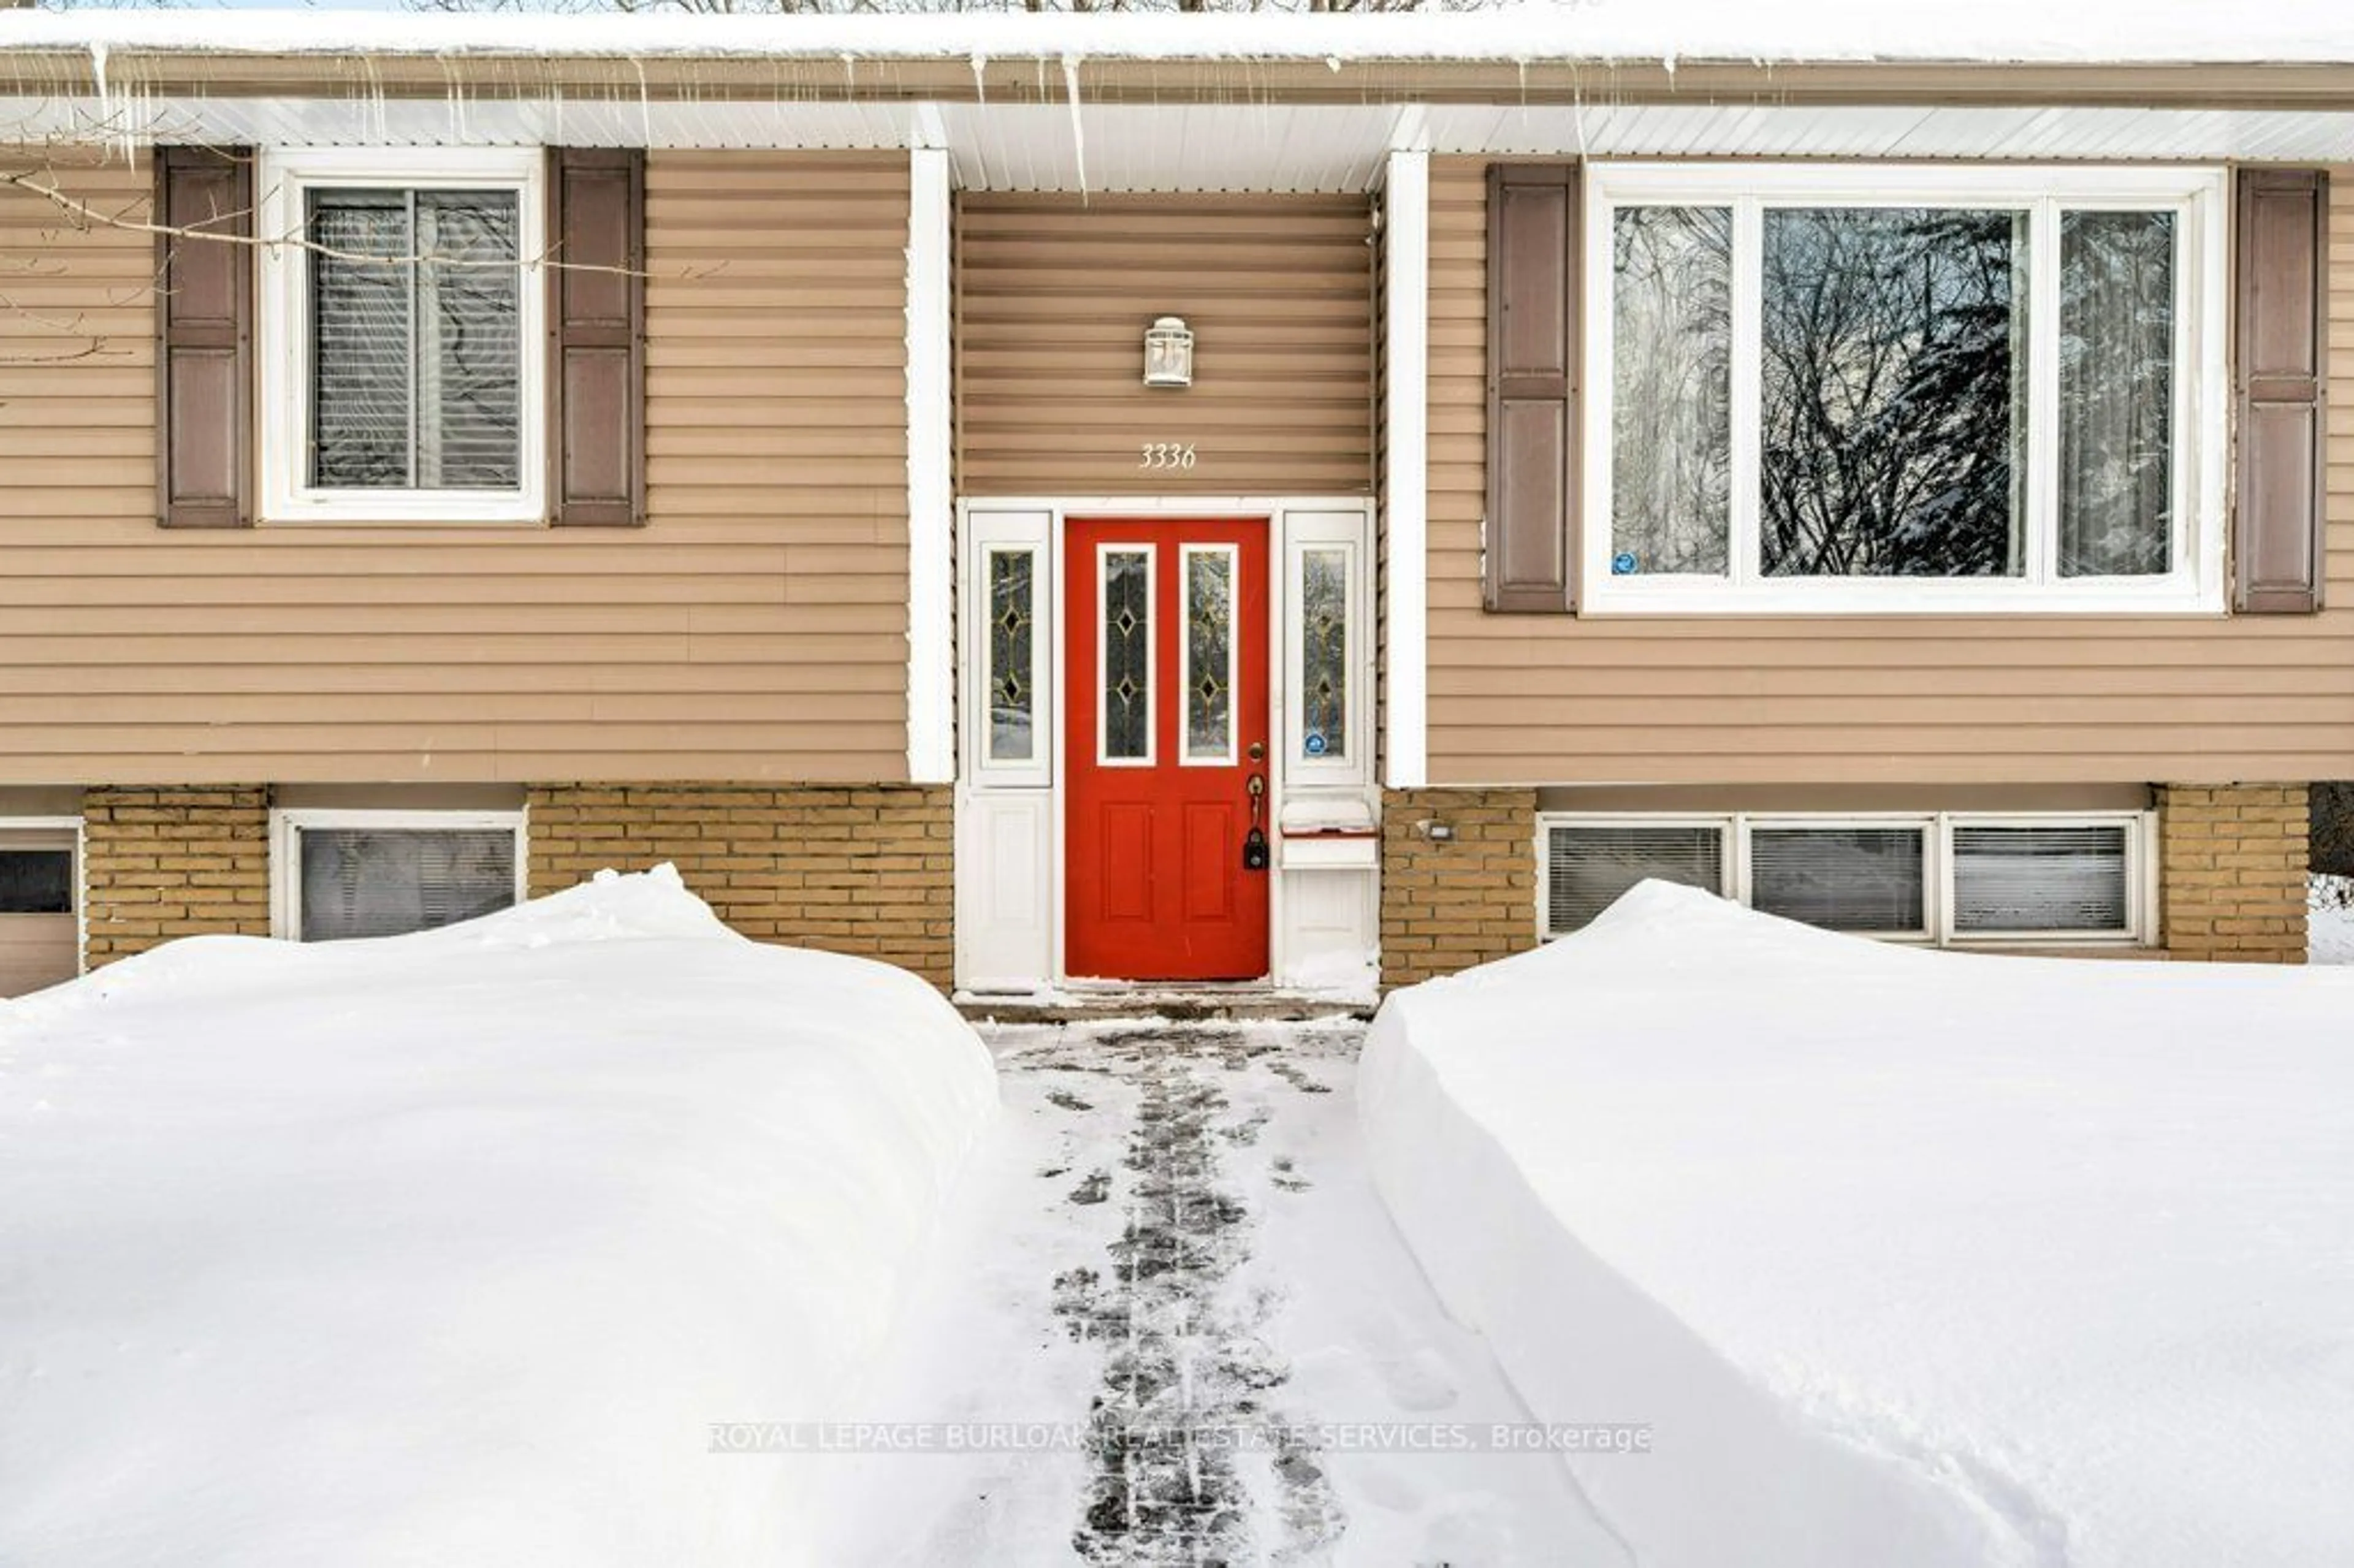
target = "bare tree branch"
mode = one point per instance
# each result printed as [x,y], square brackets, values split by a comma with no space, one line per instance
[86,215]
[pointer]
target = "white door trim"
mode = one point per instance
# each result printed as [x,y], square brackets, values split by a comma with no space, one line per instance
[980,800]
[1405,497]
[931,519]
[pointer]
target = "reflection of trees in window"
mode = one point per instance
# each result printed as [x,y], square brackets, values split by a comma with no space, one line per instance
[1324,652]
[2117,392]
[1893,390]
[1011,626]
[1209,650]
[372,882]
[415,365]
[1671,386]
[1128,668]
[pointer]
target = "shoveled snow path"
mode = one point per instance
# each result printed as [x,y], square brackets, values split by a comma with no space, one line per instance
[1175,1237]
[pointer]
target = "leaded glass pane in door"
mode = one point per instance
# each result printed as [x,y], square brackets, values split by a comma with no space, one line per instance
[1209,656]
[1013,634]
[1127,655]
[1324,653]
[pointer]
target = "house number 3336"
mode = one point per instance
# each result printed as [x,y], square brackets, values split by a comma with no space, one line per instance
[1166,454]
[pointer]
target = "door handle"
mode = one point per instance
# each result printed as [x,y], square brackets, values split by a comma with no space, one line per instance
[1255,852]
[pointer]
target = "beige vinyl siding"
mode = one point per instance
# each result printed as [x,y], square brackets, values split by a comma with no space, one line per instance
[1731,700]
[1052,298]
[754,629]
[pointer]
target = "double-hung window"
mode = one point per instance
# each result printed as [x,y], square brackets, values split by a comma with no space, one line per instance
[1881,388]
[401,329]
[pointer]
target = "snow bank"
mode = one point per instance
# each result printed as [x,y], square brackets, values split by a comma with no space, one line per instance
[448,1248]
[1906,1256]
[2023,31]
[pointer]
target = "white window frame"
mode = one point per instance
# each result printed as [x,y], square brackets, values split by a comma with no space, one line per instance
[1936,829]
[1151,551]
[1729,855]
[287,175]
[2202,392]
[2141,874]
[288,823]
[1746,826]
[1233,755]
[1352,767]
[988,538]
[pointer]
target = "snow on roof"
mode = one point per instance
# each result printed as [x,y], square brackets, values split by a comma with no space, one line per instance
[2081,32]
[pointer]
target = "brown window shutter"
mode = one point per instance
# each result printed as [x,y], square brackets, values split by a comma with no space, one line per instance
[1533,247]
[204,329]
[597,337]
[2281,375]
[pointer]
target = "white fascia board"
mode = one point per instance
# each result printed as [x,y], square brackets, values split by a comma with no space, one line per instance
[931,520]
[1405,496]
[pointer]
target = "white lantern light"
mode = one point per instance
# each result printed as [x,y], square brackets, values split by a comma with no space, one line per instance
[1169,352]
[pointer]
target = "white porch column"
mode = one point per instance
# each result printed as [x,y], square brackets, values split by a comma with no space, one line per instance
[932,532]
[1406,490]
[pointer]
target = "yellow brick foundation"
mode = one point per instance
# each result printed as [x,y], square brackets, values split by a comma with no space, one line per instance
[865,870]
[2232,872]
[173,861]
[1447,905]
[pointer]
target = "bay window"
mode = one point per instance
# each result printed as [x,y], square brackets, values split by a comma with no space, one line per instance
[400,324]
[1871,388]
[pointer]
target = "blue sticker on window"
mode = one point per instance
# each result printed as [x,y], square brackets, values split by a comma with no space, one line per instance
[1622,565]
[1314,743]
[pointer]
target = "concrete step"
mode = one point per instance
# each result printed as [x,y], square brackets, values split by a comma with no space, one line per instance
[1198,1004]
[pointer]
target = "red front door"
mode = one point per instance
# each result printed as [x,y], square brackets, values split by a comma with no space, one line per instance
[1165,667]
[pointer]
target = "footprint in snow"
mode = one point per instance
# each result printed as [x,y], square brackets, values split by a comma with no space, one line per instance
[1286,1178]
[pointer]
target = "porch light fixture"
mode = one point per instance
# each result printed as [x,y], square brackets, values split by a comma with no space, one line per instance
[1169,352]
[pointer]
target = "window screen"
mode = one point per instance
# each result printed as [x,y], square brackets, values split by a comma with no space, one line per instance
[383,881]
[1845,879]
[37,882]
[1588,867]
[2042,879]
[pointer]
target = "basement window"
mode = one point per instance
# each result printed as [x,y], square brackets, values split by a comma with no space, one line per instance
[1588,863]
[1871,879]
[2021,880]
[340,875]
[1947,878]
[400,378]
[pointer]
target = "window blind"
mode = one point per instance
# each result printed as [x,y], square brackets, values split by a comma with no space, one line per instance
[1844,879]
[2042,879]
[416,353]
[360,340]
[469,359]
[381,881]
[1586,868]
